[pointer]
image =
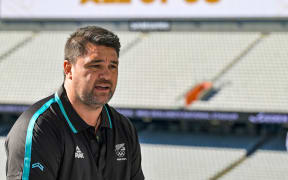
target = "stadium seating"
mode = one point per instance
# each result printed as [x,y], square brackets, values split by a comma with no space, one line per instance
[158,69]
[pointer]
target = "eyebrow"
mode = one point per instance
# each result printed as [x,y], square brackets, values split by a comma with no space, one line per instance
[99,61]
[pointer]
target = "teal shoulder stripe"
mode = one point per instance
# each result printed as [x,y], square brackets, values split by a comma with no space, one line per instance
[108,116]
[29,135]
[64,112]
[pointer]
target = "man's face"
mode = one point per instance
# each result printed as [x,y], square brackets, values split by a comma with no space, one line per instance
[94,76]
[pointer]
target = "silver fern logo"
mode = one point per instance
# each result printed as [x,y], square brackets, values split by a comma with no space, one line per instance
[120,151]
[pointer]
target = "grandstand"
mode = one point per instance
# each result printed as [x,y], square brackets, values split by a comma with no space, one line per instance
[235,126]
[183,60]
[154,78]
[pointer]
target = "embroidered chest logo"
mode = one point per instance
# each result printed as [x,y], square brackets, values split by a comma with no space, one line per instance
[120,151]
[78,153]
[38,165]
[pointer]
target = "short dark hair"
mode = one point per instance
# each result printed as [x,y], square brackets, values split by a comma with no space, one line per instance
[76,44]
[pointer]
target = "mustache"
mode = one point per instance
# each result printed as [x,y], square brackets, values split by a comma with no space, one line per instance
[103,81]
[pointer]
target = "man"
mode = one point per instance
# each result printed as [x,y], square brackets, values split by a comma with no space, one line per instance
[74,134]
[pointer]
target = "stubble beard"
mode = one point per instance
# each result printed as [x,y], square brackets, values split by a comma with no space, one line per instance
[89,99]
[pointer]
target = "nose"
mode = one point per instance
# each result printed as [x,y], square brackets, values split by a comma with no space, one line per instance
[104,74]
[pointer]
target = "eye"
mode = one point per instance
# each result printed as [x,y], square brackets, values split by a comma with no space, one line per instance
[95,66]
[114,66]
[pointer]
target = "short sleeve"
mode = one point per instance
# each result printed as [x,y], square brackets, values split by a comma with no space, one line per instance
[39,158]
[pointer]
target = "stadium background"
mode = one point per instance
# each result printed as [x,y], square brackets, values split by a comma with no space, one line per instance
[205,85]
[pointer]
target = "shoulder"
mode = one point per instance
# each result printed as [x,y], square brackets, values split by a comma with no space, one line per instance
[37,108]
[120,117]
[34,126]
[122,121]
[39,117]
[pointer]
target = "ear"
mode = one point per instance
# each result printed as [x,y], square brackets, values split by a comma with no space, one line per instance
[67,69]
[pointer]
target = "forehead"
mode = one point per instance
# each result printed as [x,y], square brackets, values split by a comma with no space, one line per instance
[100,51]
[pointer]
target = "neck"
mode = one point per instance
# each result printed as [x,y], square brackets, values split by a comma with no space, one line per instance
[89,114]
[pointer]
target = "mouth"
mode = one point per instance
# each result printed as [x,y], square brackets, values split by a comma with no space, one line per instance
[102,87]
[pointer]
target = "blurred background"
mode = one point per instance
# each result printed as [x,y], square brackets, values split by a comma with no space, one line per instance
[203,81]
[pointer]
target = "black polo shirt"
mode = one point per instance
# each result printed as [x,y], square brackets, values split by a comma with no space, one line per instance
[51,141]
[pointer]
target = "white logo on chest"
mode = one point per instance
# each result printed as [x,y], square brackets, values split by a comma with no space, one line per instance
[78,153]
[120,151]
